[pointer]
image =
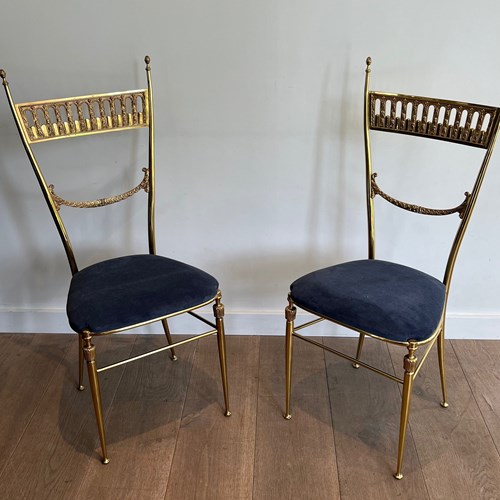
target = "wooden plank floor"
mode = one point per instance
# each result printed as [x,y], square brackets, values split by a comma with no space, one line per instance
[168,438]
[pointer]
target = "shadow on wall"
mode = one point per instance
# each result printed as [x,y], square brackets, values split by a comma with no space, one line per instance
[260,277]
[255,278]
[21,259]
[328,126]
[263,281]
[35,272]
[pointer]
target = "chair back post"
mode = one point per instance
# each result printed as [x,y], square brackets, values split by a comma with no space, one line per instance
[470,205]
[368,162]
[41,180]
[151,191]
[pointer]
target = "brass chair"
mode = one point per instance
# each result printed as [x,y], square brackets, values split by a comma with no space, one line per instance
[387,301]
[125,292]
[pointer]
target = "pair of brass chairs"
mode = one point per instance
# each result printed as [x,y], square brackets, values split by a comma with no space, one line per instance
[387,301]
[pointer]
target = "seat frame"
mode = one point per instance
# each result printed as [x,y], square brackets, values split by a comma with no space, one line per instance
[453,121]
[40,121]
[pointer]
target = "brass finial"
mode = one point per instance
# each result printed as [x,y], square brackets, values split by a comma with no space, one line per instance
[368,62]
[147,60]
[3,74]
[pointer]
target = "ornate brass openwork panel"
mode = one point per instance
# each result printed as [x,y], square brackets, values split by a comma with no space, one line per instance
[58,118]
[455,121]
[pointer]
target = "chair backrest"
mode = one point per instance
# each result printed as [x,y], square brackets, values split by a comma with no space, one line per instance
[458,122]
[41,121]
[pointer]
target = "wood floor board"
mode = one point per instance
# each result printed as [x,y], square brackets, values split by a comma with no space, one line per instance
[61,438]
[366,411]
[456,452]
[294,458]
[27,365]
[5,337]
[479,361]
[168,438]
[214,456]
[143,425]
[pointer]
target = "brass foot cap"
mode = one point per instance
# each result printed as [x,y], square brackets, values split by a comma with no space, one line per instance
[287,416]
[105,461]
[227,413]
[355,365]
[398,476]
[81,387]
[444,404]
[174,357]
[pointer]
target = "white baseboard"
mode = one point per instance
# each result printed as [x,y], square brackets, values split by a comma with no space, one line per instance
[458,326]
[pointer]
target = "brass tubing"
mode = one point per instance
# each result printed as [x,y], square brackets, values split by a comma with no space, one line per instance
[444,402]
[154,320]
[368,159]
[350,358]
[80,363]
[358,350]
[90,355]
[372,335]
[410,362]
[166,329]
[63,234]
[425,356]
[305,325]
[470,207]
[290,313]
[150,353]
[201,318]
[221,344]
[151,192]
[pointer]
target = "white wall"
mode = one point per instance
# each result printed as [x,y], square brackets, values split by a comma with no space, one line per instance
[259,145]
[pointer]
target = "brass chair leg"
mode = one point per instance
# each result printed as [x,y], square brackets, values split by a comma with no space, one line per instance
[169,339]
[410,363]
[360,347]
[80,363]
[89,352]
[440,343]
[221,343]
[290,313]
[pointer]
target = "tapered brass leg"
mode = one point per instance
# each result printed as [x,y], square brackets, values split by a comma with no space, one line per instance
[89,353]
[290,313]
[80,363]
[410,363]
[360,347]
[221,343]
[440,343]
[169,338]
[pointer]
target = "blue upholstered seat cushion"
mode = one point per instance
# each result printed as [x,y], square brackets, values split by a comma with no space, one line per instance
[121,292]
[386,299]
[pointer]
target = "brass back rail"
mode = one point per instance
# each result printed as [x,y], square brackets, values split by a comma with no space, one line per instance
[465,123]
[91,114]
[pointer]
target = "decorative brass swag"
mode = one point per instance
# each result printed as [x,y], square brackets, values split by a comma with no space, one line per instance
[460,209]
[101,202]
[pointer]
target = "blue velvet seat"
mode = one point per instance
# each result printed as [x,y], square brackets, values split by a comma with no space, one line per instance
[389,300]
[129,290]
